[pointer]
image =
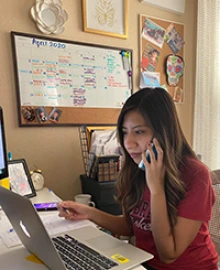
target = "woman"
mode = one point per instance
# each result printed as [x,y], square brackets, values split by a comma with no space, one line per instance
[166,207]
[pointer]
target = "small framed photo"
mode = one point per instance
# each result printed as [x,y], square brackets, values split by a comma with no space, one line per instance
[108,18]
[20,178]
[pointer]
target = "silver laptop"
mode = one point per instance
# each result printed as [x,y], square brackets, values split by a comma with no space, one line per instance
[78,249]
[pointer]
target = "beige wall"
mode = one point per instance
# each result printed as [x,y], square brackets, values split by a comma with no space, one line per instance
[56,151]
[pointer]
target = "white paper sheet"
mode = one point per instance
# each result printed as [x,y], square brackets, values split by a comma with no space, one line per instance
[53,224]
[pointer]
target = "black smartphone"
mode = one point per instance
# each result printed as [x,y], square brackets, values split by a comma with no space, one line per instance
[141,164]
[45,206]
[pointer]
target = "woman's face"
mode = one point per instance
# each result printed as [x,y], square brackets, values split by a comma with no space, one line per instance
[137,134]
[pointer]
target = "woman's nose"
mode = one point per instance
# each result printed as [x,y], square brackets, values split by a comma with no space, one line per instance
[130,141]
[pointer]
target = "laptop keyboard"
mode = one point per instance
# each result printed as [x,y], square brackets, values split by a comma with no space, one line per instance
[77,256]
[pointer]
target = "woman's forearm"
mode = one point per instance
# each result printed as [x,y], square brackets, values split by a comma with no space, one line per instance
[115,224]
[161,229]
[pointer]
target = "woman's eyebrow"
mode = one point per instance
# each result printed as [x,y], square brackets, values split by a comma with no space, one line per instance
[138,126]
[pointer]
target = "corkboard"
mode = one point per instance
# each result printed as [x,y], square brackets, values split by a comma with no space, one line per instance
[76,116]
[164,51]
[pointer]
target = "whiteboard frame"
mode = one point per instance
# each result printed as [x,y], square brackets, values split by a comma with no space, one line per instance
[95,116]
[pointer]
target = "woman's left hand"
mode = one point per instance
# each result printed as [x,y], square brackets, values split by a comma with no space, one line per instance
[155,170]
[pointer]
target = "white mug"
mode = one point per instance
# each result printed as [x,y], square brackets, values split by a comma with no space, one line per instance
[84,199]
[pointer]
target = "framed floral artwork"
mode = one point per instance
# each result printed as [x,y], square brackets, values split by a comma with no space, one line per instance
[106,17]
[20,178]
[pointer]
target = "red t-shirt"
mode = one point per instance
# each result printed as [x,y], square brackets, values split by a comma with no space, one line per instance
[197,205]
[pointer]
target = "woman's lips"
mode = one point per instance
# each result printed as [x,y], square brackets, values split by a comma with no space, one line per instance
[135,155]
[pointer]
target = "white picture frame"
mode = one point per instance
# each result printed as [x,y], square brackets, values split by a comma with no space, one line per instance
[176,6]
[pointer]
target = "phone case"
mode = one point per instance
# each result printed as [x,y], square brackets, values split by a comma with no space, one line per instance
[141,164]
[45,206]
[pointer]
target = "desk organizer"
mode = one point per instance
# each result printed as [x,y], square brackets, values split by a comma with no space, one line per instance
[106,168]
[103,193]
[99,168]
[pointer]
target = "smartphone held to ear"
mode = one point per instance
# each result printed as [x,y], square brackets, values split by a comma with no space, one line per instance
[141,164]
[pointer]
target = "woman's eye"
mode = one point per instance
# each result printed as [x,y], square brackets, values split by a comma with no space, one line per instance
[139,131]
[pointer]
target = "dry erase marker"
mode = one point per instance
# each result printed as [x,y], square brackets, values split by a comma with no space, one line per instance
[9,155]
[58,200]
[130,79]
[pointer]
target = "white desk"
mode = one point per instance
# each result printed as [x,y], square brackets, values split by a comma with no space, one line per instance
[43,196]
[15,258]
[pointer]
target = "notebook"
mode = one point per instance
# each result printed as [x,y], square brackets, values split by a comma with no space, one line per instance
[105,249]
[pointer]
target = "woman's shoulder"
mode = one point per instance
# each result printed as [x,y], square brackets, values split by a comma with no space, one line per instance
[193,165]
[194,170]
[199,196]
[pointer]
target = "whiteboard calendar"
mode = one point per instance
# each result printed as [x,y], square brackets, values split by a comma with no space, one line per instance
[58,73]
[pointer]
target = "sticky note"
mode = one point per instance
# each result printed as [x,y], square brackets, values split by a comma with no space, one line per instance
[5,183]
[33,259]
[119,258]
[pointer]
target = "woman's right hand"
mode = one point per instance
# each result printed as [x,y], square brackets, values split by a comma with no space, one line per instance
[74,211]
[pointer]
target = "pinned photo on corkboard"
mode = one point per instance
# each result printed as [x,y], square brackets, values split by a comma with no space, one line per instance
[173,39]
[28,114]
[150,58]
[153,33]
[55,115]
[178,95]
[41,114]
[150,79]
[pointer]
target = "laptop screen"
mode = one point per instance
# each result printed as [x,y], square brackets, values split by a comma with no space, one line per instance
[3,152]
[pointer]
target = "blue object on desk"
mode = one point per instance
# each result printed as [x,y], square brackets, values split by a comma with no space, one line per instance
[11,230]
[9,155]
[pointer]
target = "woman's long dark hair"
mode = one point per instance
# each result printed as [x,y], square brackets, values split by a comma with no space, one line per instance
[158,109]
